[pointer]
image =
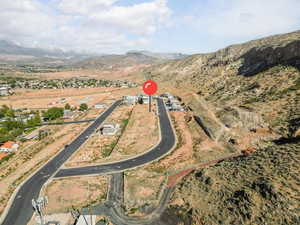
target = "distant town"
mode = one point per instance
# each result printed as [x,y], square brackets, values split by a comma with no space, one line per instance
[7,84]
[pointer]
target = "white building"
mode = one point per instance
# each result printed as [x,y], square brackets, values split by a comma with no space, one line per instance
[4,91]
[130,100]
[68,114]
[9,146]
[99,106]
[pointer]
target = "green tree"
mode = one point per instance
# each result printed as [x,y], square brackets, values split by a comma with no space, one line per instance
[67,106]
[83,107]
[53,113]
[35,121]
[10,113]
[3,110]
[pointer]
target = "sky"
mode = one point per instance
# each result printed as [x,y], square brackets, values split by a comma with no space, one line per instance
[117,26]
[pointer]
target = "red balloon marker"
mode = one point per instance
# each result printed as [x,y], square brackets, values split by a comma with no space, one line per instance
[150,87]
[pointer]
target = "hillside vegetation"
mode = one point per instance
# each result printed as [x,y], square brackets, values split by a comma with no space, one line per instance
[247,96]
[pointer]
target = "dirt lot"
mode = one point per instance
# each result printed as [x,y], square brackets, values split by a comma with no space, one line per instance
[63,194]
[98,148]
[63,218]
[136,138]
[140,135]
[49,97]
[142,190]
[122,74]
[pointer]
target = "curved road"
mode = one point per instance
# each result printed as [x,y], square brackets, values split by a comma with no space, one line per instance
[165,145]
[113,207]
[21,211]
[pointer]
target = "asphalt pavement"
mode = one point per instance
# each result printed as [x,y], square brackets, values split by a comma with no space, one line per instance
[165,145]
[20,211]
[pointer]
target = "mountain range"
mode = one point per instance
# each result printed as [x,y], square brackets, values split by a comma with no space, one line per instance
[13,53]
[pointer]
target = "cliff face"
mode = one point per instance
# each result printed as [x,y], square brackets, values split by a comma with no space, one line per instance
[260,76]
[243,59]
[250,88]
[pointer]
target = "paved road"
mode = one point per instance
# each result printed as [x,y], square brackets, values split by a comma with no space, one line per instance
[113,207]
[21,211]
[164,146]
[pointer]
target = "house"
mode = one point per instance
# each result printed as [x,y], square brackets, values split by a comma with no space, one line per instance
[176,108]
[9,146]
[99,106]
[4,91]
[110,129]
[130,100]
[68,114]
[143,99]
[166,95]
[173,104]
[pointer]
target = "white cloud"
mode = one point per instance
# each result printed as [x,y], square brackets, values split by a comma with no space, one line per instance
[83,7]
[82,25]
[21,19]
[244,19]
[144,18]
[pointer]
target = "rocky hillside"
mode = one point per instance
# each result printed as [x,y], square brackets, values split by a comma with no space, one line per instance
[262,188]
[108,62]
[260,77]
[158,55]
[132,58]
[12,53]
[246,96]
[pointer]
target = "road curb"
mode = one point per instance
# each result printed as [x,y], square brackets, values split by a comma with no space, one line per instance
[13,196]
[151,149]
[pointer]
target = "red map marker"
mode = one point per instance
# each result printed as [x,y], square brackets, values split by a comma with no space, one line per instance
[150,87]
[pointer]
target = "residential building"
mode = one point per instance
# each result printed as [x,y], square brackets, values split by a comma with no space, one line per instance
[9,146]
[143,99]
[99,106]
[4,91]
[130,100]
[173,104]
[68,114]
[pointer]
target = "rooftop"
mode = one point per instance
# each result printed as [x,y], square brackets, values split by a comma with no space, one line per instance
[8,144]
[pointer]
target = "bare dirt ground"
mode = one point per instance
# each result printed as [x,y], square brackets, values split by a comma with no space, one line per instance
[63,194]
[137,138]
[142,189]
[126,73]
[62,218]
[53,97]
[98,146]
[140,135]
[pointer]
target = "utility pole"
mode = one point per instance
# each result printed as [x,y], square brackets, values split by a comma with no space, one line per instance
[39,207]
[149,103]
